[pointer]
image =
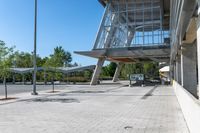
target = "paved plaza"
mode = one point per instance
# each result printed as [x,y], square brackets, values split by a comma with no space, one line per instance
[112,108]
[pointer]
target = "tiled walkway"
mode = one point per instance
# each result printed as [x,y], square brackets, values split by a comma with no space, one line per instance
[98,109]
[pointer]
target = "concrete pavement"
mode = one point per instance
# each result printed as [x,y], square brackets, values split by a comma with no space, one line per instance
[95,109]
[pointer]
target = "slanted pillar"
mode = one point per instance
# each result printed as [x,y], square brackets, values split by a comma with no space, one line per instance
[97,71]
[117,72]
[111,32]
[130,38]
[188,68]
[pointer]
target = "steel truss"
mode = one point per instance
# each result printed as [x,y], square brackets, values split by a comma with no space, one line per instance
[132,23]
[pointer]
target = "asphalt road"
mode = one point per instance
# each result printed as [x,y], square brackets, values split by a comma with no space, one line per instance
[14,89]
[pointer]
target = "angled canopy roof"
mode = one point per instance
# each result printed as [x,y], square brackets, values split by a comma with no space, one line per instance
[24,70]
[156,53]
[75,69]
[61,69]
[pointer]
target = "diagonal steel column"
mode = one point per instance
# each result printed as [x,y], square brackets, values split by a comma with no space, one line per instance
[117,72]
[101,27]
[97,71]
[113,28]
[130,38]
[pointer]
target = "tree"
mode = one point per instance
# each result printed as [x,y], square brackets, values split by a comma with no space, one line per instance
[23,60]
[61,57]
[109,70]
[5,63]
[50,65]
[150,69]
[128,69]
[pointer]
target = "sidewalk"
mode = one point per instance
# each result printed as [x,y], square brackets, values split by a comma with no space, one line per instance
[95,109]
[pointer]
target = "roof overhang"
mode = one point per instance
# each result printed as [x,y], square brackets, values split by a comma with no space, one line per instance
[60,69]
[131,54]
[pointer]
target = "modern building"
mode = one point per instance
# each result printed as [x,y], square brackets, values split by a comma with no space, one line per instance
[132,31]
[159,30]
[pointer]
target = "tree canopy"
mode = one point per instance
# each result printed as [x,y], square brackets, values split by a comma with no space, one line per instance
[5,63]
[150,69]
[59,58]
[10,58]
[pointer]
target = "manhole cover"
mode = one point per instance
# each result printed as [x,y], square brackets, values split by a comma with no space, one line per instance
[62,100]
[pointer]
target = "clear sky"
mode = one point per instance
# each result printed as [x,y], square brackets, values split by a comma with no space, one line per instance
[72,24]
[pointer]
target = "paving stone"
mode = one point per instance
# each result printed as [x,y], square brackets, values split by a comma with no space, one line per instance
[100,109]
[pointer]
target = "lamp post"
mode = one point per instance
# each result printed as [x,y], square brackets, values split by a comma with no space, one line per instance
[35,52]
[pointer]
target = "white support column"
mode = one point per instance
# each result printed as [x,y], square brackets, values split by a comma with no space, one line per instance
[117,72]
[97,71]
[178,69]
[174,64]
[188,68]
[198,52]
[174,72]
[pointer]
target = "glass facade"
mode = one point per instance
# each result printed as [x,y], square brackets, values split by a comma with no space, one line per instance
[132,23]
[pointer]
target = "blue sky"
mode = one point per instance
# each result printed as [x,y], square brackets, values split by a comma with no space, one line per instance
[72,24]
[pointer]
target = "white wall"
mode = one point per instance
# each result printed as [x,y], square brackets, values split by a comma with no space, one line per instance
[190,107]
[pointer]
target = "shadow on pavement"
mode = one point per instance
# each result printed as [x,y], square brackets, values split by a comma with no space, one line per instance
[62,100]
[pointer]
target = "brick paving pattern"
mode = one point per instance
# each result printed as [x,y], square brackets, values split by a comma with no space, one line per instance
[96,109]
